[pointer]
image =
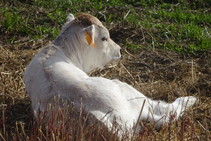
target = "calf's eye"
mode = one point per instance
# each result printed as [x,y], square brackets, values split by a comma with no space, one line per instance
[104,39]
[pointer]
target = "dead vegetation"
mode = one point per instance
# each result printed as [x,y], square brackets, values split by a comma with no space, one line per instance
[159,74]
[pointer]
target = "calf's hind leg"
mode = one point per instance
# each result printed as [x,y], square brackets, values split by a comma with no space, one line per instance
[161,111]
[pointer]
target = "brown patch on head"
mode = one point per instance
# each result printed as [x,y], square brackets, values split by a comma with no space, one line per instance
[87,20]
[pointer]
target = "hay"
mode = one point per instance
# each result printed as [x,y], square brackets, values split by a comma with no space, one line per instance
[158,74]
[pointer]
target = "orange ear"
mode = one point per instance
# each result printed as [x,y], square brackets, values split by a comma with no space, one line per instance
[94,45]
[89,39]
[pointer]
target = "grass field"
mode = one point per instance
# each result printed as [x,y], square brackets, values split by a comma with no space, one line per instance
[166,54]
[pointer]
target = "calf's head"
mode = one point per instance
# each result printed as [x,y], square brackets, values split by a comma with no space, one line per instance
[87,42]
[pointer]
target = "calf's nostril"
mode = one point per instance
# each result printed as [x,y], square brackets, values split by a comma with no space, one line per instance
[120,50]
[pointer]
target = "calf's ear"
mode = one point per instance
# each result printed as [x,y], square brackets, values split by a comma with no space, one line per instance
[70,18]
[89,32]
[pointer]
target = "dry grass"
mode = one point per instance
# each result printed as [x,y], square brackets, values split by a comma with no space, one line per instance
[164,75]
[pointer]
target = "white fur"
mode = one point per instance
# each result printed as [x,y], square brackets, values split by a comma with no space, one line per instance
[60,69]
[70,18]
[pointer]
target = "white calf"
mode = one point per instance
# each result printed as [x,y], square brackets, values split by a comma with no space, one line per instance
[60,69]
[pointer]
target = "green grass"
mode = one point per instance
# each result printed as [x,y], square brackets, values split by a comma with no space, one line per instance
[180,25]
